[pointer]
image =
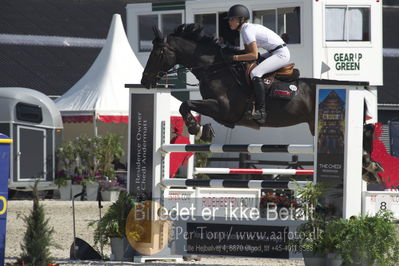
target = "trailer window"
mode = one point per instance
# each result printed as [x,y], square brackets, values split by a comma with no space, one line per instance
[165,22]
[285,22]
[169,22]
[347,24]
[216,25]
[29,112]
[146,34]
[208,22]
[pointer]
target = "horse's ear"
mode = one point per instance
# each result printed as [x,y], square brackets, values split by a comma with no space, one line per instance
[158,34]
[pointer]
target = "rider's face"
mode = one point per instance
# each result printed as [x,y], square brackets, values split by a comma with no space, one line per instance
[234,23]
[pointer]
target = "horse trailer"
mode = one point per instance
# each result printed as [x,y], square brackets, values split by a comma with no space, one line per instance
[34,123]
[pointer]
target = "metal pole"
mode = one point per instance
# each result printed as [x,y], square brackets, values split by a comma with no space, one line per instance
[73,218]
[99,198]
[95,124]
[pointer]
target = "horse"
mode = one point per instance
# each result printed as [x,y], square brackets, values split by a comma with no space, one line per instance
[226,95]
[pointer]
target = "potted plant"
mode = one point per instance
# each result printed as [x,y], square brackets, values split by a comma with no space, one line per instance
[277,201]
[310,232]
[77,186]
[63,183]
[83,158]
[328,240]
[363,240]
[110,189]
[109,147]
[92,187]
[111,228]
[65,155]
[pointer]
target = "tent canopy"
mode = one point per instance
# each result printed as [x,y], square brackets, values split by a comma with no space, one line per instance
[101,92]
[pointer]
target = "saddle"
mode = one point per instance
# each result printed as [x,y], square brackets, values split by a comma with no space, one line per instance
[286,73]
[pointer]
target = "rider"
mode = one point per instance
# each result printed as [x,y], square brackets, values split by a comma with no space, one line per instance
[254,36]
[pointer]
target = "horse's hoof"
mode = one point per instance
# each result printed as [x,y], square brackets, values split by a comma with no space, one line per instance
[207,133]
[194,129]
[371,178]
[374,167]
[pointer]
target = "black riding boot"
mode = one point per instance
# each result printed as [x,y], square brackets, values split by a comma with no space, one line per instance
[260,99]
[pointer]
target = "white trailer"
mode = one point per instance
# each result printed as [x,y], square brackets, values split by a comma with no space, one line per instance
[34,123]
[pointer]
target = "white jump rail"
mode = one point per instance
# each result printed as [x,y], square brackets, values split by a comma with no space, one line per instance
[263,171]
[226,183]
[243,148]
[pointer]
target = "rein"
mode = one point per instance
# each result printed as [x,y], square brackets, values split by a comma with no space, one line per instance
[188,69]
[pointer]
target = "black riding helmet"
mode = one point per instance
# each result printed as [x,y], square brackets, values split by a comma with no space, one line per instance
[238,11]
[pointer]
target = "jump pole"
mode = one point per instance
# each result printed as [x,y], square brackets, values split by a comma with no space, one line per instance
[232,171]
[242,148]
[218,183]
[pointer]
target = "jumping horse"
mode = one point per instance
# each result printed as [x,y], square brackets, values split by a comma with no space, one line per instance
[227,96]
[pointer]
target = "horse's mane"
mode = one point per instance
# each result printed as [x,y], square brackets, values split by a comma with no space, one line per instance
[194,32]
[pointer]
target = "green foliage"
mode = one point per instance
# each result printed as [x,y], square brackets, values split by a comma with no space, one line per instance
[311,231]
[86,150]
[38,236]
[113,223]
[66,157]
[61,181]
[364,238]
[201,159]
[309,196]
[110,147]
[84,157]
[360,239]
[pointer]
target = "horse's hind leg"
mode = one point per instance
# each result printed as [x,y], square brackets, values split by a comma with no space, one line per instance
[209,107]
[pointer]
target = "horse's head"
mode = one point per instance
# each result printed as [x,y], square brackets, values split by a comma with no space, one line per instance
[162,58]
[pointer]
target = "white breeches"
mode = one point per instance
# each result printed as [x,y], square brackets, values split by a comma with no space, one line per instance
[274,61]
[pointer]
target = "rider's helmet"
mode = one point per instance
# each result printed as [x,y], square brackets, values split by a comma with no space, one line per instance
[238,11]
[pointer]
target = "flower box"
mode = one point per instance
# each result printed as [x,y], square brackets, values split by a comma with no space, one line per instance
[65,191]
[110,195]
[76,189]
[92,190]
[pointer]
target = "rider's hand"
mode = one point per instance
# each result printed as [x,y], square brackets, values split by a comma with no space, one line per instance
[228,58]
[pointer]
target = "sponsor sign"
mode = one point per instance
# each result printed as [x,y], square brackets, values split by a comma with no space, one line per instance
[141,146]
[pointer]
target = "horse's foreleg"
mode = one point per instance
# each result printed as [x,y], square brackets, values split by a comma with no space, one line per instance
[209,107]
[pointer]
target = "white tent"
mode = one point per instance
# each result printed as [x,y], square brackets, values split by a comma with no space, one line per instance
[99,102]
[101,92]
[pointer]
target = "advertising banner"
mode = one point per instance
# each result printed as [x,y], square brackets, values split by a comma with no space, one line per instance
[141,146]
[331,145]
